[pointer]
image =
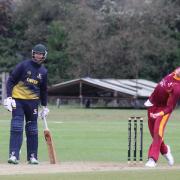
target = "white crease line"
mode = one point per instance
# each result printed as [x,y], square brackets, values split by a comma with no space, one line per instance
[56,122]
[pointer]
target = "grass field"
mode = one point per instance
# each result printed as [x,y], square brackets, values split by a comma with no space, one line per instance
[145,175]
[93,135]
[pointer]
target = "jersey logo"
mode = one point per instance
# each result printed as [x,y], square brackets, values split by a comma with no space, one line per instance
[39,76]
[32,81]
[169,84]
[29,73]
[162,83]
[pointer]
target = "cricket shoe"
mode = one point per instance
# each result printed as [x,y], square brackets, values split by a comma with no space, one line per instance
[13,160]
[151,163]
[33,160]
[168,156]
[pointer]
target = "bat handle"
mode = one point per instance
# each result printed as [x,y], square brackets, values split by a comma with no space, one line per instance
[45,123]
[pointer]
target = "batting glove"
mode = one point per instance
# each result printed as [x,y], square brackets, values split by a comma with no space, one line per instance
[44,112]
[9,104]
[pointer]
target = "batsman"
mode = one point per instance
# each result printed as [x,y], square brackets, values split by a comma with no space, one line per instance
[26,90]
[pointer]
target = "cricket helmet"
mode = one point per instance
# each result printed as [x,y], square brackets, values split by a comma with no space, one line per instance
[39,48]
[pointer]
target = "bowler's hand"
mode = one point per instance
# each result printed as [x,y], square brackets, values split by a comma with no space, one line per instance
[156,115]
[44,112]
[9,104]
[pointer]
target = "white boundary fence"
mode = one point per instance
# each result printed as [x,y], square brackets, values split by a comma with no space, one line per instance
[3,79]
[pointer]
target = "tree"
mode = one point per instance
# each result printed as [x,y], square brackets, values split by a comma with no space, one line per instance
[140,36]
[100,39]
[82,29]
[5,17]
[7,43]
[58,62]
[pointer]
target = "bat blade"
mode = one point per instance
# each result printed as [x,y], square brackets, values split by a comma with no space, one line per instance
[50,145]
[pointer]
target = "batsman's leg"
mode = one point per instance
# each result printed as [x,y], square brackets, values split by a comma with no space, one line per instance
[16,133]
[32,140]
[32,131]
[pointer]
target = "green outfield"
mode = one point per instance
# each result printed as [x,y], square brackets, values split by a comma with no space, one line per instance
[93,135]
[146,175]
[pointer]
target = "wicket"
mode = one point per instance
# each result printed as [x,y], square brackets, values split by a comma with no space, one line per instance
[135,120]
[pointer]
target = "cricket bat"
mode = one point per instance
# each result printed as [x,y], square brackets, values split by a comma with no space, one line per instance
[49,142]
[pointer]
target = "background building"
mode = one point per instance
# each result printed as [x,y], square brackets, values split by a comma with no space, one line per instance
[103,92]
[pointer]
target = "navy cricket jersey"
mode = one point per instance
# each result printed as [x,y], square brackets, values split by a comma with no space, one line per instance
[28,81]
